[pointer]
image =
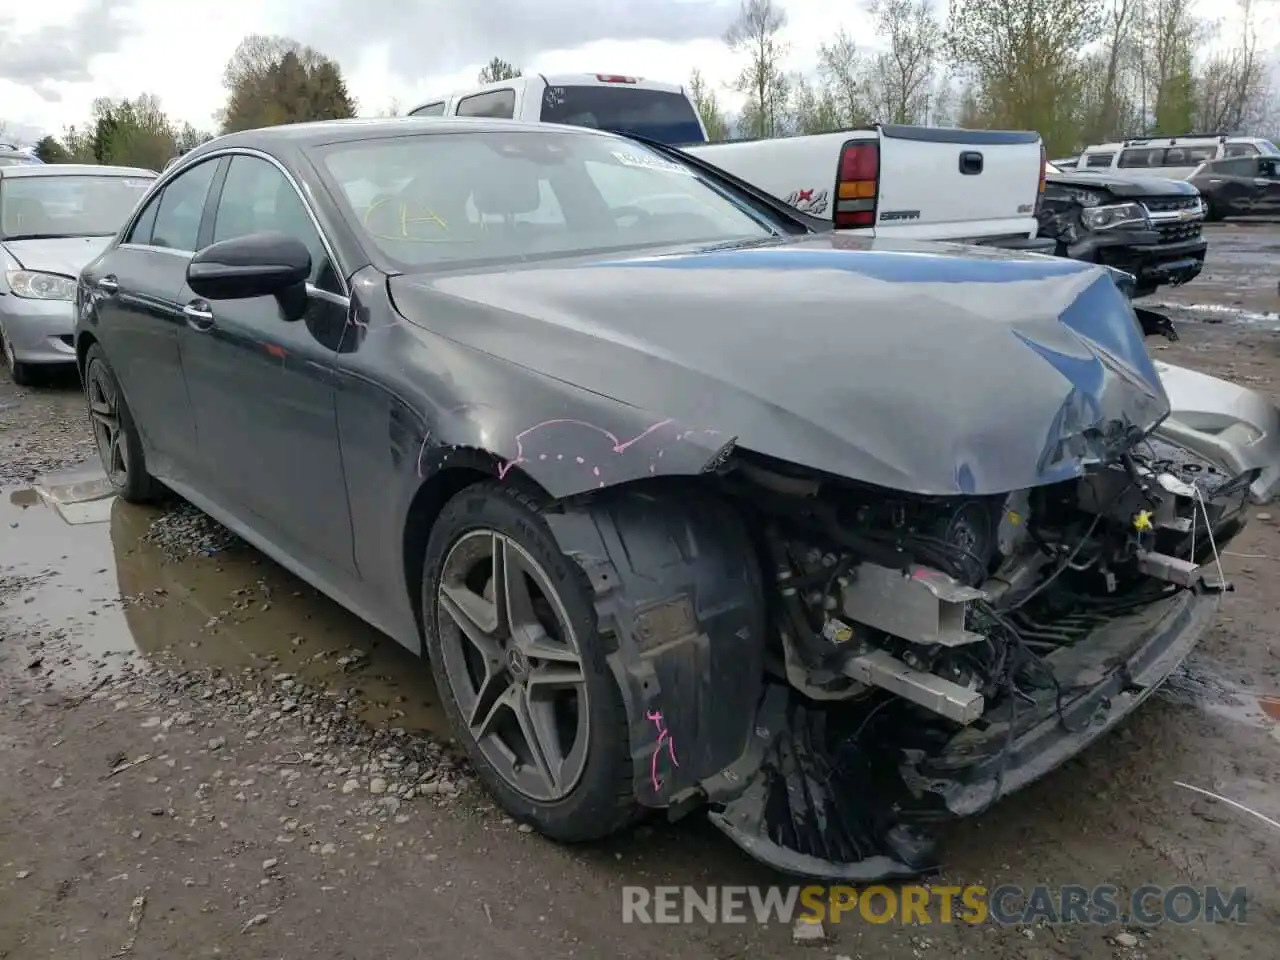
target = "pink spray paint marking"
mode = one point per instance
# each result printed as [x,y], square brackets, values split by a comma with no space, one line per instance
[664,738]
[619,446]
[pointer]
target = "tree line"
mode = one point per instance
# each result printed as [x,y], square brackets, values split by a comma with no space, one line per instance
[1077,71]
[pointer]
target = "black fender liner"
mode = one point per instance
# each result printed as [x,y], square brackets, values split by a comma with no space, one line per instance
[678,594]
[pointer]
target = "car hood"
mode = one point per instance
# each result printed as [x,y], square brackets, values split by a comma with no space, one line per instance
[1136,187]
[928,368]
[64,255]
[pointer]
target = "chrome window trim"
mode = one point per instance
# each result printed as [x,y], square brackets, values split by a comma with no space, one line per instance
[179,168]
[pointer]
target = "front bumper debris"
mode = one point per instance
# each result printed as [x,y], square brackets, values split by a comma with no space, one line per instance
[1144,254]
[817,797]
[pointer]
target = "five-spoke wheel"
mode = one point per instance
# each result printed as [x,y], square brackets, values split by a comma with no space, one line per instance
[513,664]
[521,666]
[104,415]
[119,444]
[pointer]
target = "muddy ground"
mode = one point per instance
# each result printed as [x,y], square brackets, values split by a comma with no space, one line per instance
[201,757]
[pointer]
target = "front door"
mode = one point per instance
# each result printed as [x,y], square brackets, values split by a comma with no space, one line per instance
[262,387]
[134,289]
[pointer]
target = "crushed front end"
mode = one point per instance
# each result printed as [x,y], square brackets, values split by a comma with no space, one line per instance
[936,653]
[1154,236]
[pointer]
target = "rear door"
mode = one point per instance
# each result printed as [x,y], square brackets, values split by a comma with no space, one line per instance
[950,183]
[133,289]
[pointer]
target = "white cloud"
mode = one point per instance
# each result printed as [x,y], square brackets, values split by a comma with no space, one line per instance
[179,56]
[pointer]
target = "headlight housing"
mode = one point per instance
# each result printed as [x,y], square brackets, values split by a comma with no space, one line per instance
[34,285]
[1114,215]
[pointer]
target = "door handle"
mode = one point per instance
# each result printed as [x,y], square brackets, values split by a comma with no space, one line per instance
[199,316]
[108,284]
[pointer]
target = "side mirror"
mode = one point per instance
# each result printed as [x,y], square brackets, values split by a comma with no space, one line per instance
[255,265]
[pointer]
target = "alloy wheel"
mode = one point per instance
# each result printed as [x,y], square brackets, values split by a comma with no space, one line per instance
[513,665]
[104,412]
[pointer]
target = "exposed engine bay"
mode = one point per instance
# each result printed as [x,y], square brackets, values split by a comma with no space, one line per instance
[910,624]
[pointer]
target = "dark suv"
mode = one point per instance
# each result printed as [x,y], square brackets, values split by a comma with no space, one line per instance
[1239,187]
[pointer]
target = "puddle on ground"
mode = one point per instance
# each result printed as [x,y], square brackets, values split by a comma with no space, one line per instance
[83,595]
[1196,684]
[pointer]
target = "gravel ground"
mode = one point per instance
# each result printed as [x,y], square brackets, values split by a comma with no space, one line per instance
[200,756]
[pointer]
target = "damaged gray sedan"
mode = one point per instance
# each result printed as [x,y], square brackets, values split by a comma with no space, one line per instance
[689,507]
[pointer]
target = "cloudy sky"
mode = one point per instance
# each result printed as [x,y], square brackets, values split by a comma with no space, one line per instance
[57,55]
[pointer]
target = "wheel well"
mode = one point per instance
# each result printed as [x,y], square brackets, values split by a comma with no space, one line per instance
[83,343]
[426,506]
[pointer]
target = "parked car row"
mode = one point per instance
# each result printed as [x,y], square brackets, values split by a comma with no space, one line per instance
[691,498]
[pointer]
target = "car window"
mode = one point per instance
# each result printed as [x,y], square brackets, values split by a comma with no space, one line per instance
[1100,159]
[500,104]
[1269,167]
[177,223]
[1240,150]
[141,230]
[1144,157]
[430,110]
[257,198]
[1200,154]
[68,205]
[665,116]
[514,196]
[1239,167]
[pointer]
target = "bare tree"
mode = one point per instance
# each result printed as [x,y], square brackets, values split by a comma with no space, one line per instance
[1170,34]
[840,66]
[813,107]
[708,107]
[900,80]
[1234,91]
[754,35]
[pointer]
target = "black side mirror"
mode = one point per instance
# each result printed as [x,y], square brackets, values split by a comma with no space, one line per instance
[255,265]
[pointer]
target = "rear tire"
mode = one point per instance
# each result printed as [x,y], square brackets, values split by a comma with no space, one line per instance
[549,633]
[116,433]
[22,374]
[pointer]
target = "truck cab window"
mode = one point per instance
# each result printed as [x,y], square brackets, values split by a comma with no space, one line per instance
[499,104]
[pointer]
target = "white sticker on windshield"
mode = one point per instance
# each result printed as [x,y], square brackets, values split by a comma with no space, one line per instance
[650,162]
[139,184]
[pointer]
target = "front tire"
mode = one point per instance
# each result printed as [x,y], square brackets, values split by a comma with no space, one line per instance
[520,666]
[22,374]
[115,432]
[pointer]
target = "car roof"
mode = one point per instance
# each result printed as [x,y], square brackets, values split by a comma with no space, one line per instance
[1141,143]
[322,132]
[73,170]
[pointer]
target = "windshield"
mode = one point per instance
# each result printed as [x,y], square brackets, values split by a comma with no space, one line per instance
[1266,146]
[16,159]
[623,108]
[67,205]
[436,200]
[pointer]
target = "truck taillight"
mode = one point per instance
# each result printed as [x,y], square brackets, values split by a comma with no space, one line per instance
[1044,166]
[614,78]
[859,180]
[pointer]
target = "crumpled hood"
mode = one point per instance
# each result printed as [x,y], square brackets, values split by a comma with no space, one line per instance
[927,368]
[64,255]
[1134,188]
